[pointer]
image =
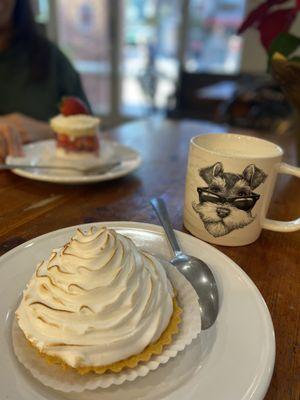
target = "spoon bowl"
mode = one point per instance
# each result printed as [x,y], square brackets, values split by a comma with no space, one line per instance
[194,270]
[203,281]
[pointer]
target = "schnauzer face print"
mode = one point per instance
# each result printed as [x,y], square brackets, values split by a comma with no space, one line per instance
[227,202]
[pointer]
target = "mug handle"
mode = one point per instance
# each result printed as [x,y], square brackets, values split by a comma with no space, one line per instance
[284,226]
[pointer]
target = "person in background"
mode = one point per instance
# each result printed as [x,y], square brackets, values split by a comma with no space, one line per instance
[34,76]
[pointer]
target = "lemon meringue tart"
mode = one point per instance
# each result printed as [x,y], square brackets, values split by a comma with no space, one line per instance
[99,303]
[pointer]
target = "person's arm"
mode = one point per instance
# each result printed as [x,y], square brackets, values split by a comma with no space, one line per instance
[29,129]
[16,129]
[10,141]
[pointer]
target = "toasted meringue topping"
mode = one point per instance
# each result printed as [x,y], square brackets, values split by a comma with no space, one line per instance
[96,301]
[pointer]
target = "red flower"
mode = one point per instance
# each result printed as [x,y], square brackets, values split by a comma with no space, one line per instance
[270,22]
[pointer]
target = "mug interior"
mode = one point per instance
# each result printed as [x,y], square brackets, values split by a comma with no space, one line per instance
[238,146]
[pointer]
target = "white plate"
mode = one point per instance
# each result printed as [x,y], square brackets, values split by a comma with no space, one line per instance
[43,152]
[233,360]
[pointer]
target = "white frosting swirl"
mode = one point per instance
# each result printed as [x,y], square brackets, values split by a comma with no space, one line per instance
[75,125]
[96,301]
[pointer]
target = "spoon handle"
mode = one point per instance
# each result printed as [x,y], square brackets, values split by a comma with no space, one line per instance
[161,211]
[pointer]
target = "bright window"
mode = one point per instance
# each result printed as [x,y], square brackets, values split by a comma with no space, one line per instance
[212,44]
[149,52]
[129,52]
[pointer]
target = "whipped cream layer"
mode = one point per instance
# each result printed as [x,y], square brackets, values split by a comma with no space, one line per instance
[96,301]
[75,125]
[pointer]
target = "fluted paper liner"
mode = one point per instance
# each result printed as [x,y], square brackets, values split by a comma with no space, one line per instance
[131,362]
[69,380]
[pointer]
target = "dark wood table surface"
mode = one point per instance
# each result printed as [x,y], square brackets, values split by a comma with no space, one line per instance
[29,209]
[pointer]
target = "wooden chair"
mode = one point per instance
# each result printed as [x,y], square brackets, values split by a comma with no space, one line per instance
[194,98]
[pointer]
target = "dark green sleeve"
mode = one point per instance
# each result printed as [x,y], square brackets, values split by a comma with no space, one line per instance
[69,82]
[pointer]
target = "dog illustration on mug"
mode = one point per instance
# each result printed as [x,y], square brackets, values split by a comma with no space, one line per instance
[226,203]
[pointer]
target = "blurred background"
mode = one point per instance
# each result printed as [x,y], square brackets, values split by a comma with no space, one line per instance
[137,57]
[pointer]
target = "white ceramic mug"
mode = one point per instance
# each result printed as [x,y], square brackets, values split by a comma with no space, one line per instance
[229,185]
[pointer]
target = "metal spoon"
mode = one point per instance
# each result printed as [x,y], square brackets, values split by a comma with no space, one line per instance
[92,170]
[195,271]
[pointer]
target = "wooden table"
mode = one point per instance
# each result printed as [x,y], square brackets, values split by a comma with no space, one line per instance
[29,209]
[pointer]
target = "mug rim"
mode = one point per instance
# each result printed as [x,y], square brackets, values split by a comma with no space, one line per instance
[279,150]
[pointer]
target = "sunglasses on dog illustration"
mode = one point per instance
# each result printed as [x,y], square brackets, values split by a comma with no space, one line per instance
[227,201]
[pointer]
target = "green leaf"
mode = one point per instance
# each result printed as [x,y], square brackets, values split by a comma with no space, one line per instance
[284,43]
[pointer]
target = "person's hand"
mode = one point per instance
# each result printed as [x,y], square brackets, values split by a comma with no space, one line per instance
[29,128]
[16,129]
[10,141]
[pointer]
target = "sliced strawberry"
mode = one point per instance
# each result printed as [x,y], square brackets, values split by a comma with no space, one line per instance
[82,143]
[72,106]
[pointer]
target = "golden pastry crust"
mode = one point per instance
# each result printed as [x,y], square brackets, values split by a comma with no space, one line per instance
[132,361]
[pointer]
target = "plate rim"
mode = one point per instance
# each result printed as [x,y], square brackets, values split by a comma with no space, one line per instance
[262,382]
[75,180]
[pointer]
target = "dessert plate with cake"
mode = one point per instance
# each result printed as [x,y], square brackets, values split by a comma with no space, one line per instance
[93,312]
[77,143]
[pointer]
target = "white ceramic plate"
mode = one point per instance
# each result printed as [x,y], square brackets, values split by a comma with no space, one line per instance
[233,360]
[43,152]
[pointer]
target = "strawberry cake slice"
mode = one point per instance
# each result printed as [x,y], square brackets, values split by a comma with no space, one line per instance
[76,130]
